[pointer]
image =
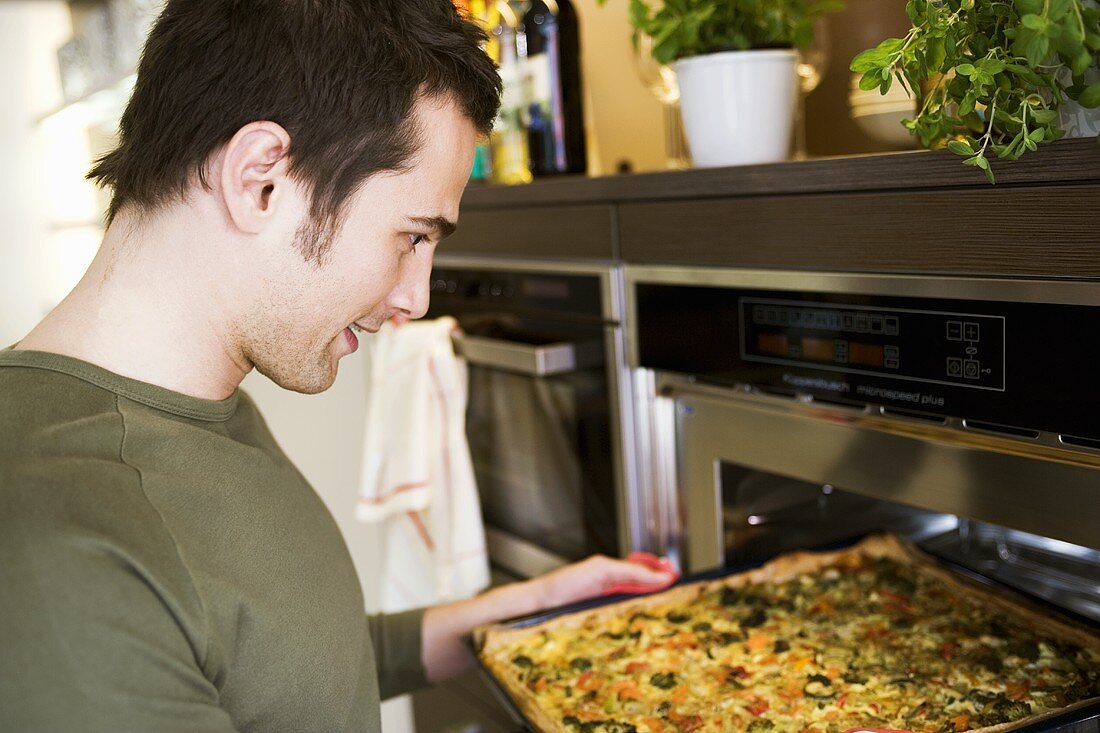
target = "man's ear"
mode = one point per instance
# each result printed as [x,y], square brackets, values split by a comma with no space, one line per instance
[253,177]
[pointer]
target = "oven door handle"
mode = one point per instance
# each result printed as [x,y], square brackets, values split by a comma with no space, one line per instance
[536,361]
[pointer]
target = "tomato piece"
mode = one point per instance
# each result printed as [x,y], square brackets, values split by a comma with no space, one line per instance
[686,723]
[636,667]
[757,642]
[588,681]
[961,722]
[947,651]
[680,694]
[759,707]
[1018,690]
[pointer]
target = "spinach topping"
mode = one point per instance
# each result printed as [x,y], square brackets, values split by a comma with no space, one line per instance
[754,619]
[1005,711]
[580,664]
[678,617]
[701,627]
[819,687]
[605,726]
[760,724]
[522,661]
[663,708]
[664,680]
[726,638]
[781,646]
[1025,649]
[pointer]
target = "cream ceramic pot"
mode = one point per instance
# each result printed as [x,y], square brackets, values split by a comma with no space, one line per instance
[738,106]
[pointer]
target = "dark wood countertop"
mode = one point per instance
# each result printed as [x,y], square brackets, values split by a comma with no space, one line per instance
[1063,162]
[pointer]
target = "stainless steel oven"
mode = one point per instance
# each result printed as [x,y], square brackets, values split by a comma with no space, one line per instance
[798,410]
[549,418]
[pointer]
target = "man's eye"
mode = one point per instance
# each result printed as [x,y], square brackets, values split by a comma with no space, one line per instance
[415,239]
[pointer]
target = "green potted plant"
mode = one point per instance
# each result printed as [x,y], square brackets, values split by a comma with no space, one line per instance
[736,65]
[996,78]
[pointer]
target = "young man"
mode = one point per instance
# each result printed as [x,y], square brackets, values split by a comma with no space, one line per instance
[285,170]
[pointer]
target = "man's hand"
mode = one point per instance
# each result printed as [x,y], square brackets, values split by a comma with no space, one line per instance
[444,653]
[601,575]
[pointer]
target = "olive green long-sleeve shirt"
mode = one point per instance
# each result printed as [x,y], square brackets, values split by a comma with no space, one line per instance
[164,567]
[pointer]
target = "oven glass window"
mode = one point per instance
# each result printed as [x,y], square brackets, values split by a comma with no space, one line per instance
[542,458]
[764,514]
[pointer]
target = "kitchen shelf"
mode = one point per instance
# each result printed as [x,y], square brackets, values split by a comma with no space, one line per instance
[104,104]
[1065,161]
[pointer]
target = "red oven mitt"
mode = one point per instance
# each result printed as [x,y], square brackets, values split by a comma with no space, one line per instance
[652,562]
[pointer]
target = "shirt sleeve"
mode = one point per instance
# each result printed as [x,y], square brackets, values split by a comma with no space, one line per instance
[99,624]
[396,639]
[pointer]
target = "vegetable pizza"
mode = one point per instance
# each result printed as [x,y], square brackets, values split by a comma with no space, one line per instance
[876,636]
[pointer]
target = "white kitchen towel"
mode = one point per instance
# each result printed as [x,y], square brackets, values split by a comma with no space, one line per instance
[418,484]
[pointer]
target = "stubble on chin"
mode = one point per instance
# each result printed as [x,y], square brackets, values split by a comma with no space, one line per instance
[308,370]
[290,360]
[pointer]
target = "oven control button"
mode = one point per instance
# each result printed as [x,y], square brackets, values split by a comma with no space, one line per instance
[891,327]
[954,367]
[970,331]
[972,368]
[954,331]
[840,351]
[451,286]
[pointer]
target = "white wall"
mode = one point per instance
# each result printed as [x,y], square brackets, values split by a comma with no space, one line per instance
[30,268]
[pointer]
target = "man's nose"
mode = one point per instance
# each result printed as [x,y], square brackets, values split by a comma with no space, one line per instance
[411,297]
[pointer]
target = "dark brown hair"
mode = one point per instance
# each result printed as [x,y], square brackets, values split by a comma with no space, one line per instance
[341,76]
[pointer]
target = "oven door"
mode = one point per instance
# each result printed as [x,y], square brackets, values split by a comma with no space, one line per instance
[539,429]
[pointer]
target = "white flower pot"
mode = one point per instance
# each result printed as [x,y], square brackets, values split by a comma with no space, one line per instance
[738,106]
[1078,121]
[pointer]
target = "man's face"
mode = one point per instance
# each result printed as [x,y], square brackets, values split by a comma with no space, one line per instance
[303,320]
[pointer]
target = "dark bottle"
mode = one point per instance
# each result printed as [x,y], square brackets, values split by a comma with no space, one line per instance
[554,110]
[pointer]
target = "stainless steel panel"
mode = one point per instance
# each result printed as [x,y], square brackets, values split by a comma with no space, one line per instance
[518,555]
[657,487]
[1036,488]
[535,361]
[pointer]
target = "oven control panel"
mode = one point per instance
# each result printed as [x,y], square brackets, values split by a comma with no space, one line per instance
[1021,368]
[937,347]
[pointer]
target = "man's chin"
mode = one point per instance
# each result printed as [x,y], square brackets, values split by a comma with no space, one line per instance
[303,381]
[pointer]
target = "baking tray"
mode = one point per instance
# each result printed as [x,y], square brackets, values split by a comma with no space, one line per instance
[1082,720]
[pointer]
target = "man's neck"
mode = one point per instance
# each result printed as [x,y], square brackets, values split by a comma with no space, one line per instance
[147,309]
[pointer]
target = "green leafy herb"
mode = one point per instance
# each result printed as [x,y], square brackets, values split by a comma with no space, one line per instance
[663,680]
[682,28]
[991,73]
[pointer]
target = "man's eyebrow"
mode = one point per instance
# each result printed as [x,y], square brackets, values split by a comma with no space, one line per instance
[443,227]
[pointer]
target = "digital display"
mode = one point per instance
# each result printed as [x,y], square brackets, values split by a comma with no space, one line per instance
[542,288]
[948,348]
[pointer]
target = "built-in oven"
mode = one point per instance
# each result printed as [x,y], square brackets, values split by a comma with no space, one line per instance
[549,416]
[802,410]
[551,429]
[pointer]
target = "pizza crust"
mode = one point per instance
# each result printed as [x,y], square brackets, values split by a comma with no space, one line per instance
[490,638]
